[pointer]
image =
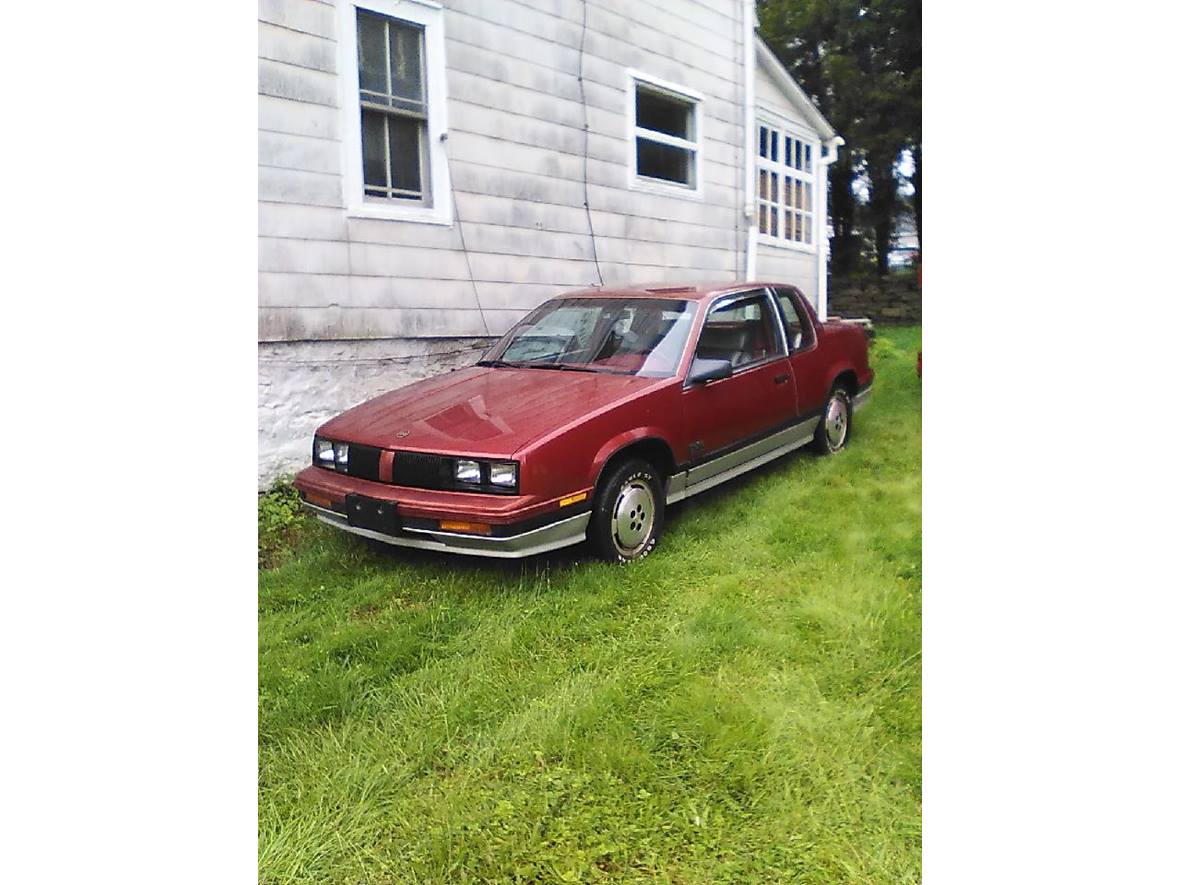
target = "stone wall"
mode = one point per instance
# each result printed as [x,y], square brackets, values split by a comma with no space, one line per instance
[304,383]
[892,300]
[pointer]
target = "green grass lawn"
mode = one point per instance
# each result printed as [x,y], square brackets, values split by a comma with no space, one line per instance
[744,705]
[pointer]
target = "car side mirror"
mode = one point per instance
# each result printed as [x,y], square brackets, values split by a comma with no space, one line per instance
[704,370]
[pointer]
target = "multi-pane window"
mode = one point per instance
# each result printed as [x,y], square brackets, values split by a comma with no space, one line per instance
[393,108]
[786,186]
[667,135]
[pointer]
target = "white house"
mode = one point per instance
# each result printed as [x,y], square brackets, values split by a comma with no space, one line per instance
[429,172]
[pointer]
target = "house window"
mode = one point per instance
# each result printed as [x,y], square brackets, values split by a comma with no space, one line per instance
[786,186]
[665,122]
[392,55]
[393,107]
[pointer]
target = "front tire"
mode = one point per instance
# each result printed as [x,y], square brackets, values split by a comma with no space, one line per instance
[835,423]
[628,515]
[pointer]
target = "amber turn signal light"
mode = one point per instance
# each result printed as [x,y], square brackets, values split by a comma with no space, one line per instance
[475,528]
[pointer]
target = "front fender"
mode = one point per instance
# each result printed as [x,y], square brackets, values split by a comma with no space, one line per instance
[620,441]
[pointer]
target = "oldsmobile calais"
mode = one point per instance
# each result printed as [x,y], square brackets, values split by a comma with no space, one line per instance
[588,418]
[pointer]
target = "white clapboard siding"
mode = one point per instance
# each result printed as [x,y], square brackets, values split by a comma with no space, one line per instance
[651,230]
[297,118]
[605,57]
[382,233]
[619,251]
[507,296]
[533,243]
[278,43]
[370,259]
[602,24]
[535,157]
[295,186]
[368,322]
[478,208]
[343,290]
[513,44]
[791,265]
[770,96]
[721,18]
[487,63]
[282,290]
[490,119]
[302,256]
[559,271]
[722,37]
[281,80]
[299,152]
[297,221]
[410,293]
[511,155]
[304,16]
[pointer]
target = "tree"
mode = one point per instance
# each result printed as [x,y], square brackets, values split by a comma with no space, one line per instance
[861,64]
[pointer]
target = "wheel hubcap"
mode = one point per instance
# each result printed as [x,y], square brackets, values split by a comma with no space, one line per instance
[634,516]
[836,422]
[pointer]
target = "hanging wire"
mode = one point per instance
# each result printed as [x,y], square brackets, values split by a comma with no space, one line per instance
[586,142]
[463,240]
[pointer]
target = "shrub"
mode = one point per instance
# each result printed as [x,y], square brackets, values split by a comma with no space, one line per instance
[280,517]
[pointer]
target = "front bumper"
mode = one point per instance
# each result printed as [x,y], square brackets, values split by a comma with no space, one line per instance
[528,543]
[521,526]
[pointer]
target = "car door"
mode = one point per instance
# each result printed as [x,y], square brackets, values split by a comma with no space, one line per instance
[759,396]
[805,359]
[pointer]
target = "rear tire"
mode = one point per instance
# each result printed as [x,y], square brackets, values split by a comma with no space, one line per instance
[835,423]
[628,514]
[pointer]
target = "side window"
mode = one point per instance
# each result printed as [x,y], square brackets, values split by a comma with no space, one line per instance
[742,331]
[665,126]
[799,332]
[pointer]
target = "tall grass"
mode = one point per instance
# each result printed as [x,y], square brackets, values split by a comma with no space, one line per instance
[741,706]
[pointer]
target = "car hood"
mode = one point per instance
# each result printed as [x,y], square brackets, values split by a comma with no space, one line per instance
[481,410]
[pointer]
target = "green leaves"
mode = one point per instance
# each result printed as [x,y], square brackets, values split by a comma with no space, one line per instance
[861,62]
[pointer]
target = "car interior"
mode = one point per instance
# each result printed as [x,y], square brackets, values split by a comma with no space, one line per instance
[742,333]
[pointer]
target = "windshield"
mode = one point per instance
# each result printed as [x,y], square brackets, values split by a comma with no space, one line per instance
[625,336]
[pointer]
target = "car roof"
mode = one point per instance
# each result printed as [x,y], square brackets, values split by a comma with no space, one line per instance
[688,291]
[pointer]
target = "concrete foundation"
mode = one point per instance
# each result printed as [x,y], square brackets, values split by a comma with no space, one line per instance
[302,384]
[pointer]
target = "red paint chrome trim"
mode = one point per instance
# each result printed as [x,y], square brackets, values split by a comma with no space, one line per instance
[563,428]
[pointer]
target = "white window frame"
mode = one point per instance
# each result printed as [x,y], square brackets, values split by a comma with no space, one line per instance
[784,127]
[429,16]
[638,182]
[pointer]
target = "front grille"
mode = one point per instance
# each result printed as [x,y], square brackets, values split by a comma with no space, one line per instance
[422,471]
[416,470]
[364,462]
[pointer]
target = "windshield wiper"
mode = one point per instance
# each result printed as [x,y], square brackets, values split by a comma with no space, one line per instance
[564,367]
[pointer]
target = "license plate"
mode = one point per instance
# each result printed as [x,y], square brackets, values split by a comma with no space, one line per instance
[372,514]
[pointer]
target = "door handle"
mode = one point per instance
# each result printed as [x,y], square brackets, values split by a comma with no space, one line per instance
[779,379]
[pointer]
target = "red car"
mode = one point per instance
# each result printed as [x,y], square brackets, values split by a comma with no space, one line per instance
[591,415]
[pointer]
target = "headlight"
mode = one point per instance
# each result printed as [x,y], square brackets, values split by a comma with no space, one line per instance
[330,455]
[325,455]
[503,475]
[467,471]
